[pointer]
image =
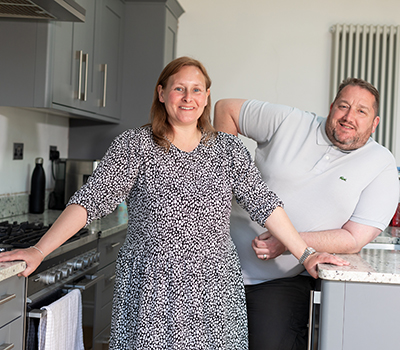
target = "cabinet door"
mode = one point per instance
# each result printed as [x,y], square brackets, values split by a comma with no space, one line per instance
[12,312]
[108,57]
[73,63]
[11,335]
[171,30]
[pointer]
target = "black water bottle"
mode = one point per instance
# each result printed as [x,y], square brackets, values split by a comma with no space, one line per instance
[38,186]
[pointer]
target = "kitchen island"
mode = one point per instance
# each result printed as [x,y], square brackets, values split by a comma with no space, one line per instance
[360,303]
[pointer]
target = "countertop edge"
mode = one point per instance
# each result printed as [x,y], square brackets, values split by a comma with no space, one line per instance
[10,269]
[368,266]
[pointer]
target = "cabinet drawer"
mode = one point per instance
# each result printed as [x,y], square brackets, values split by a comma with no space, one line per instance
[102,340]
[104,320]
[106,285]
[104,298]
[12,334]
[109,248]
[12,303]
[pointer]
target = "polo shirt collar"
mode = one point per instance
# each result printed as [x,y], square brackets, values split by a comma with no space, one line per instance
[322,137]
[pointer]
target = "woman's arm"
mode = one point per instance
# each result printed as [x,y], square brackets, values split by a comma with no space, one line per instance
[71,220]
[279,225]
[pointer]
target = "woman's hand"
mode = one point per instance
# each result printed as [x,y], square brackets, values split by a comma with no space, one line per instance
[313,260]
[267,246]
[31,256]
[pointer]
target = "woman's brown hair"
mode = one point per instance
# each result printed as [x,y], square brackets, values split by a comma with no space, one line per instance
[158,114]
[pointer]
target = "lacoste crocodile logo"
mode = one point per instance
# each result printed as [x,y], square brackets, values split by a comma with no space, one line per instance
[342,178]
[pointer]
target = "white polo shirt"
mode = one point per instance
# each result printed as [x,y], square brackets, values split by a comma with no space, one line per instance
[321,186]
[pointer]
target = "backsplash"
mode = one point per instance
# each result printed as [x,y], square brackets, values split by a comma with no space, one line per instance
[37,131]
[16,204]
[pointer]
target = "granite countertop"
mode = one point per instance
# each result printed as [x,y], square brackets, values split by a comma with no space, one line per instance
[9,269]
[370,265]
[391,235]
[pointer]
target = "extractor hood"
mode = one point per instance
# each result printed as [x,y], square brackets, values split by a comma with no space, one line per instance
[56,10]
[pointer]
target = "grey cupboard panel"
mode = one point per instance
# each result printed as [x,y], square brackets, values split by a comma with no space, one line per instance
[107,67]
[357,315]
[70,39]
[39,65]
[22,56]
[12,311]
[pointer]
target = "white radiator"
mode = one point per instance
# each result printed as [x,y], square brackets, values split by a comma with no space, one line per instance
[371,53]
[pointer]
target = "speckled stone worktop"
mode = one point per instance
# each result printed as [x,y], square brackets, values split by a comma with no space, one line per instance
[391,235]
[9,269]
[370,265]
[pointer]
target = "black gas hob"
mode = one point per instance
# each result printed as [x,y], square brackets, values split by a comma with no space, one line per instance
[25,234]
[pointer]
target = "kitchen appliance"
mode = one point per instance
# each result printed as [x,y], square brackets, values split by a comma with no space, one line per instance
[72,265]
[69,176]
[56,10]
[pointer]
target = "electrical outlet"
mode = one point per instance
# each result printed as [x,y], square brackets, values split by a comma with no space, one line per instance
[54,154]
[18,151]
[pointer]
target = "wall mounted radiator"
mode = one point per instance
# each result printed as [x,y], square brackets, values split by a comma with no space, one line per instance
[371,53]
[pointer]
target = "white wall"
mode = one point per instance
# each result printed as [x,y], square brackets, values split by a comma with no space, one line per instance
[265,49]
[273,50]
[37,131]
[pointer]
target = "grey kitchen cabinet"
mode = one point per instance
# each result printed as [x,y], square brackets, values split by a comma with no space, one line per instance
[68,68]
[108,247]
[12,312]
[150,35]
[356,315]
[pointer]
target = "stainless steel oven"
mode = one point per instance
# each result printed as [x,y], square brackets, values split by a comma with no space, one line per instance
[73,265]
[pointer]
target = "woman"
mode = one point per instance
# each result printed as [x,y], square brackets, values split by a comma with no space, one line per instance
[178,282]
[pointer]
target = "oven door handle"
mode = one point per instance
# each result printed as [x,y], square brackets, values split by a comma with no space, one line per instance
[93,279]
[36,313]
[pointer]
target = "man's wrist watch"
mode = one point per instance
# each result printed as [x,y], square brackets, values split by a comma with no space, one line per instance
[307,252]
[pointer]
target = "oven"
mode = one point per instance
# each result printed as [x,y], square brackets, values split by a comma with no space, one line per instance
[71,266]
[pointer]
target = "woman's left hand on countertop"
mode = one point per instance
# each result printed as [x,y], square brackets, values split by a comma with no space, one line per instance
[31,256]
[311,263]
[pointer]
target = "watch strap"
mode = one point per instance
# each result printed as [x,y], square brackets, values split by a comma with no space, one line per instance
[307,252]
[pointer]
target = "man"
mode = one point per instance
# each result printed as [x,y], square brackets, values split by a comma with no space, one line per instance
[339,187]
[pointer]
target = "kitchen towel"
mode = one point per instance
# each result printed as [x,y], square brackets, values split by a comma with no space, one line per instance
[61,327]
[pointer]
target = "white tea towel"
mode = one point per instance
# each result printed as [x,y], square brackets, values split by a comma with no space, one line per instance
[61,328]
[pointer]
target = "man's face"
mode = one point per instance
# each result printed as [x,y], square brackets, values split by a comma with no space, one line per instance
[351,119]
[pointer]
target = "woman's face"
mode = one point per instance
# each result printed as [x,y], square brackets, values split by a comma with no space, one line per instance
[184,96]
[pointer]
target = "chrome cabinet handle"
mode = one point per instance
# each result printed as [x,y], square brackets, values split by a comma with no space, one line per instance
[105,85]
[115,244]
[111,278]
[6,346]
[6,298]
[86,60]
[84,286]
[80,57]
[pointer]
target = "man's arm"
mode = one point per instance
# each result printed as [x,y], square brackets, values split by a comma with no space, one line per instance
[349,239]
[226,115]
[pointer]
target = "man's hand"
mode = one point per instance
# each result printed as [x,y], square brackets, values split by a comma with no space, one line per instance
[267,246]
